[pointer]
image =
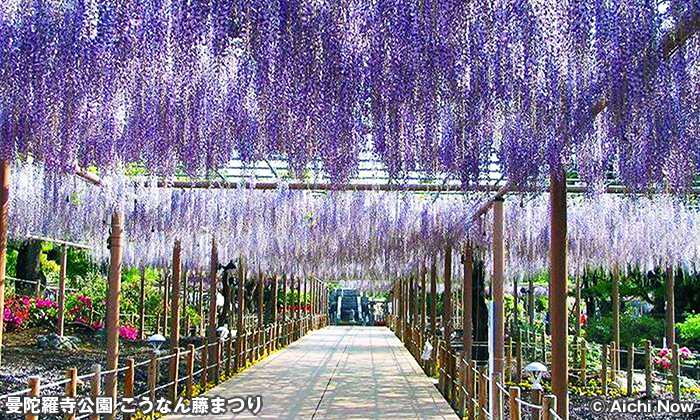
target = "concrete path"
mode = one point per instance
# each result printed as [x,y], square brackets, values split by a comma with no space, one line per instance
[338,373]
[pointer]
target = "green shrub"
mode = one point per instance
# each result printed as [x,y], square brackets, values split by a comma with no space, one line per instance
[690,329]
[633,329]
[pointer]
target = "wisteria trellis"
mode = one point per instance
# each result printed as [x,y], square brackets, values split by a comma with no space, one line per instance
[370,237]
[423,84]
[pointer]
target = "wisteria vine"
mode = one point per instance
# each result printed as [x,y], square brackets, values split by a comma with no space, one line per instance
[437,86]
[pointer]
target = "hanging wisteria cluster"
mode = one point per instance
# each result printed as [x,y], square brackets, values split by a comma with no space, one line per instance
[359,235]
[607,231]
[424,84]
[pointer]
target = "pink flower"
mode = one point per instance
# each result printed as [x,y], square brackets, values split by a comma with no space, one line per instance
[684,352]
[664,352]
[128,332]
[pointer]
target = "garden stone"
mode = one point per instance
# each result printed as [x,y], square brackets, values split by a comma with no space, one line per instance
[57,342]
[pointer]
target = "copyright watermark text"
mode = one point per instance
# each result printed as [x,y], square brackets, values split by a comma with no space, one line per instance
[601,406]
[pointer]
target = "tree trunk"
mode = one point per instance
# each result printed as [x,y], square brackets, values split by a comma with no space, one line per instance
[29,268]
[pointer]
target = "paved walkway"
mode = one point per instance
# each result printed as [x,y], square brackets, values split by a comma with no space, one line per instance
[338,373]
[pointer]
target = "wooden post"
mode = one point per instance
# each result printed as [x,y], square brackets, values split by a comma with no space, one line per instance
[113,298]
[577,306]
[519,360]
[240,328]
[142,306]
[213,287]
[471,385]
[647,370]
[447,299]
[514,405]
[630,370]
[204,378]
[129,383]
[71,388]
[229,353]
[549,404]
[536,399]
[558,292]
[152,376]
[275,303]
[675,373]
[483,394]
[217,363]
[584,364]
[433,312]
[174,373]
[260,336]
[531,301]
[190,371]
[61,291]
[509,360]
[34,383]
[166,300]
[516,320]
[95,388]
[616,317]
[200,304]
[498,297]
[4,209]
[175,298]
[423,308]
[467,299]
[604,369]
[670,308]
[285,329]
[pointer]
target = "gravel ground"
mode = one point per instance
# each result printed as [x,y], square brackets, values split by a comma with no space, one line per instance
[21,358]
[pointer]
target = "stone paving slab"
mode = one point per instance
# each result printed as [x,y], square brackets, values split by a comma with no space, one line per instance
[338,373]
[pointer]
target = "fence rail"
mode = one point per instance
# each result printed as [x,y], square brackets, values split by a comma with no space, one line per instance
[218,360]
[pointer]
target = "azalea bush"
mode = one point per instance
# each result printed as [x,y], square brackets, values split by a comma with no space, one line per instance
[128,332]
[664,359]
[16,313]
[24,311]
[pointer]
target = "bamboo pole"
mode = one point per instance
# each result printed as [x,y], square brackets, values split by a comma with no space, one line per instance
[113,294]
[61,292]
[558,292]
[4,210]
